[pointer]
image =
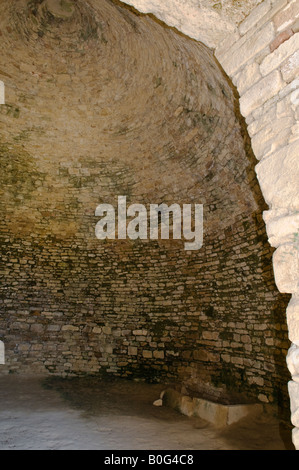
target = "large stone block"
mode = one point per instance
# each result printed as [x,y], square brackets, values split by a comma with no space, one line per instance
[290,68]
[247,77]
[273,136]
[254,17]
[293,388]
[280,39]
[218,414]
[285,50]
[282,230]
[293,326]
[286,268]
[287,16]
[246,48]
[262,118]
[259,93]
[278,176]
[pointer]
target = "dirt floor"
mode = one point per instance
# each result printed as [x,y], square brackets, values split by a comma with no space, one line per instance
[92,414]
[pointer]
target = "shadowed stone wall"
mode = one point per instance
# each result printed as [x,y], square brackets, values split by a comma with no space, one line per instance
[102,102]
[257,43]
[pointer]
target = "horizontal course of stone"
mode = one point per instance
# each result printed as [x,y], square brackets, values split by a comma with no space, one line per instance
[103,102]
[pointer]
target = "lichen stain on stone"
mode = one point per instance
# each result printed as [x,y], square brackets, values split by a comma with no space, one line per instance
[10,110]
[19,176]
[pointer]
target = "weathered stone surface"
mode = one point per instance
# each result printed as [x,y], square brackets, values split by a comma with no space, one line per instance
[286,266]
[287,16]
[259,93]
[158,402]
[227,43]
[283,229]
[294,399]
[247,77]
[61,10]
[246,48]
[293,325]
[281,38]
[271,137]
[206,21]
[276,59]
[278,176]
[218,414]
[290,68]
[255,16]
[132,351]
[263,118]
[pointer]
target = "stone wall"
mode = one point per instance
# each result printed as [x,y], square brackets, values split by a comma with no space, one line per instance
[212,320]
[260,54]
[262,58]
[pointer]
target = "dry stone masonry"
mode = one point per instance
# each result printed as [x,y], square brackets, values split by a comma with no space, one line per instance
[260,54]
[101,101]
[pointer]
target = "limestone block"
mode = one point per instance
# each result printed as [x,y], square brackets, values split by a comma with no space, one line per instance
[132,351]
[147,354]
[248,77]
[283,108]
[254,17]
[286,268]
[262,118]
[281,38]
[276,59]
[158,402]
[197,21]
[158,354]
[273,136]
[187,406]
[278,176]
[217,414]
[69,328]
[205,356]
[293,361]
[261,92]
[293,388]
[139,332]
[287,16]
[282,230]
[293,326]
[97,330]
[291,92]
[295,438]
[227,43]
[246,48]
[106,330]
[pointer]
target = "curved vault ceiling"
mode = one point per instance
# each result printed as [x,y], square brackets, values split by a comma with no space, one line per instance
[102,102]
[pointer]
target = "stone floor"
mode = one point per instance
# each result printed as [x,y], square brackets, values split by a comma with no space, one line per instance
[90,414]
